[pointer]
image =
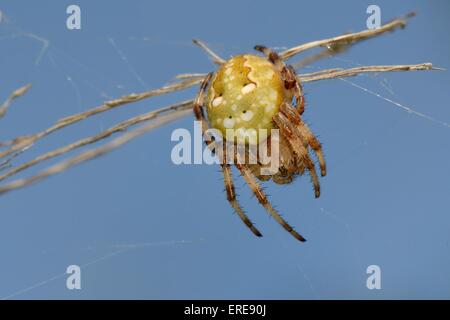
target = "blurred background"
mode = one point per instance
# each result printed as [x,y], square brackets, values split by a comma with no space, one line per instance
[141,227]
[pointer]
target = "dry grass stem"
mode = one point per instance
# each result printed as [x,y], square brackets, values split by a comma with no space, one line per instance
[215,58]
[343,73]
[349,38]
[182,106]
[97,152]
[159,117]
[22,142]
[19,92]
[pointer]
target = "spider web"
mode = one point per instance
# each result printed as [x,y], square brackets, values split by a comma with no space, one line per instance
[85,85]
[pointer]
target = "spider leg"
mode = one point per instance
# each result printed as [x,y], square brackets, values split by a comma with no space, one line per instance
[291,82]
[227,177]
[298,90]
[214,56]
[292,114]
[271,54]
[231,196]
[262,198]
[199,101]
[296,142]
[288,76]
[315,144]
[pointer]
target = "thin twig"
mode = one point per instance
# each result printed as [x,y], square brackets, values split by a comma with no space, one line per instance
[19,92]
[347,38]
[190,75]
[215,57]
[179,108]
[343,73]
[330,50]
[94,153]
[23,141]
[332,46]
[7,163]
[183,106]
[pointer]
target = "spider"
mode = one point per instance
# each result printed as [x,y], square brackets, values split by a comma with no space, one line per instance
[251,92]
[246,92]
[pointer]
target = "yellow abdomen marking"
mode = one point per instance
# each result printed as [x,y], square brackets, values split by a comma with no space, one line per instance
[244,94]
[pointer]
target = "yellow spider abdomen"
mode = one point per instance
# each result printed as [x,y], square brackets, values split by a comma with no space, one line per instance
[244,94]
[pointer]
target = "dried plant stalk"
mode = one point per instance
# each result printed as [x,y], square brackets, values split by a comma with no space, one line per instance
[215,58]
[177,111]
[343,73]
[164,115]
[22,142]
[330,51]
[349,38]
[96,152]
[182,106]
[17,93]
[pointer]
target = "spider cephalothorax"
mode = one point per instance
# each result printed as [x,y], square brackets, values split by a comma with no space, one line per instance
[249,93]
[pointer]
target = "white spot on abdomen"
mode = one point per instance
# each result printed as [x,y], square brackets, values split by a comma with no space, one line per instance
[228,123]
[217,101]
[248,88]
[247,116]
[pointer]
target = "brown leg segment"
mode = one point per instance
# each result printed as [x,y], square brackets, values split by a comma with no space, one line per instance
[229,186]
[288,75]
[271,55]
[262,198]
[298,91]
[313,142]
[231,196]
[198,103]
[296,142]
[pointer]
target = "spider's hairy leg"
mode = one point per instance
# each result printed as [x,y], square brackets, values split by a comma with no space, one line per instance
[262,198]
[296,143]
[231,196]
[271,54]
[214,56]
[292,114]
[288,75]
[315,144]
[298,90]
[228,180]
[199,101]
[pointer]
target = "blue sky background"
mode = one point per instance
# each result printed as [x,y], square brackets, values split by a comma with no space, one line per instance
[143,228]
